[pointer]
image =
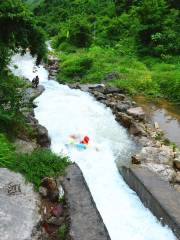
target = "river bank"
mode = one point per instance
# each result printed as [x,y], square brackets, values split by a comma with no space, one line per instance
[46,215]
[165,114]
[154,153]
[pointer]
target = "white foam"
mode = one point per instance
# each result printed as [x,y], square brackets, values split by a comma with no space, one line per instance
[63,112]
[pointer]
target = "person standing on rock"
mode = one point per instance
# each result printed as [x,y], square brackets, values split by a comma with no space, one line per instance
[35,82]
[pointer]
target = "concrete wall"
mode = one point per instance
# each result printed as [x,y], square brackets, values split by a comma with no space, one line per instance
[156,194]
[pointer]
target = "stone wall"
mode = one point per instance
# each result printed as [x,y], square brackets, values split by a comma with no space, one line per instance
[156,194]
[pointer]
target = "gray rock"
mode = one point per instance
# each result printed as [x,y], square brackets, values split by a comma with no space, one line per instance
[109,90]
[42,136]
[161,155]
[123,106]
[99,96]
[120,97]
[136,112]
[23,146]
[19,211]
[137,129]
[92,87]
[85,221]
[31,93]
[124,119]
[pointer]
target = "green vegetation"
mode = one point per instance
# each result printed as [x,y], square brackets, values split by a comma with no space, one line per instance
[35,166]
[11,119]
[137,40]
[19,31]
[62,232]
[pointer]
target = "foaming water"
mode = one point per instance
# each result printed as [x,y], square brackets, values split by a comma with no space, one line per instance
[64,112]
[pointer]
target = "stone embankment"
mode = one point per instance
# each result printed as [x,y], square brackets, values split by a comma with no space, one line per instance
[156,194]
[153,154]
[25,143]
[85,222]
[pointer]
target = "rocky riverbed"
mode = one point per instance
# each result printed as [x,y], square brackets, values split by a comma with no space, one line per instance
[154,154]
[25,143]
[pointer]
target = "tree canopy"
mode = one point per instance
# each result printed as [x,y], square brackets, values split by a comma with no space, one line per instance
[19,31]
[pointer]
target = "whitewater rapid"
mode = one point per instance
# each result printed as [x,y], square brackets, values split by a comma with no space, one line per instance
[64,111]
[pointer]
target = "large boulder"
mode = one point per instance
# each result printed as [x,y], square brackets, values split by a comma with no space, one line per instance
[99,96]
[136,112]
[137,129]
[19,211]
[161,155]
[124,119]
[23,146]
[109,90]
[123,106]
[31,93]
[42,136]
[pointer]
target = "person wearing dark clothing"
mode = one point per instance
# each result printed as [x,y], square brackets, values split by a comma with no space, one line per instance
[35,82]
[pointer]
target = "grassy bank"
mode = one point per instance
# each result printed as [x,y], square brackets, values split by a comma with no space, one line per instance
[149,76]
[41,163]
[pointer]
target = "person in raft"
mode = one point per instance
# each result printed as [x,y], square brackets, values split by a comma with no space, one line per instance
[83,144]
[74,139]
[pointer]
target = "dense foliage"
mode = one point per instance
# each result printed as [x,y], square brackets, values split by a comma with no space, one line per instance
[18,31]
[139,40]
[153,24]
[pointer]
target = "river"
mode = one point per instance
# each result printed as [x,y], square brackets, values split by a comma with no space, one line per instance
[64,111]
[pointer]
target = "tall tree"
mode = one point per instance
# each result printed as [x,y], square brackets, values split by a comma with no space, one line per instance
[19,32]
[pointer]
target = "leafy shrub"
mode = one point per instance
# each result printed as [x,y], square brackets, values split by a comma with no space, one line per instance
[74,68]
[11,89]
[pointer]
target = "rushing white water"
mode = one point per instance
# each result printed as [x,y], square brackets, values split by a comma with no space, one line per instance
[63,112]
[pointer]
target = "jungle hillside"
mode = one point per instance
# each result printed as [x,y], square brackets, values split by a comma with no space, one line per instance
[132,44]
